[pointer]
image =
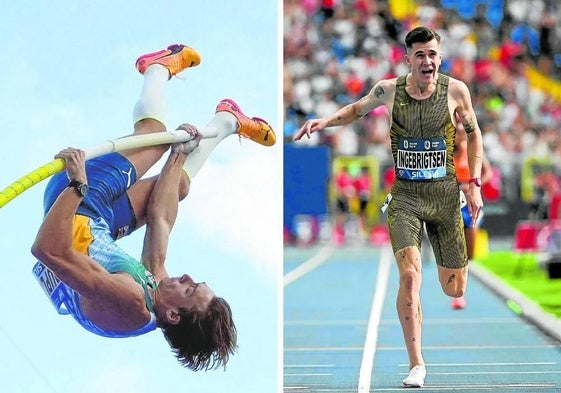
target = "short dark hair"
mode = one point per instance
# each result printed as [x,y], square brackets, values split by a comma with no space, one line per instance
[203,340]
[420,34]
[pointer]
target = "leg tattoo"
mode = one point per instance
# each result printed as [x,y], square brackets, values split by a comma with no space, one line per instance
[451,278]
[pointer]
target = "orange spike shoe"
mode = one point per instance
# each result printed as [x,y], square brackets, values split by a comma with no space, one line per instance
[175,58]
[256,129]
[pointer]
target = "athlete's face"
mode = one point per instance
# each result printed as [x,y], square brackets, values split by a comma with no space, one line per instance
[424,59]
[183,292]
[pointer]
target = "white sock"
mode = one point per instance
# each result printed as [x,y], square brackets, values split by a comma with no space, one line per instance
[150,105]
[224,124]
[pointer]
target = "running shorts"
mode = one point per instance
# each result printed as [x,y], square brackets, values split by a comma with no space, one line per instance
[437,204]
[109,177]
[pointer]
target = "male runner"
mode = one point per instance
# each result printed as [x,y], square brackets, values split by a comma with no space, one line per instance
[423,105]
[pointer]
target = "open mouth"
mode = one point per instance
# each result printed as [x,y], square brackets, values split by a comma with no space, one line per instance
[427,72]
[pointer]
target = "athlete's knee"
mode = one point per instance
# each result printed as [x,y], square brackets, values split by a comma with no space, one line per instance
[410,278]
[453,286]
[408,260]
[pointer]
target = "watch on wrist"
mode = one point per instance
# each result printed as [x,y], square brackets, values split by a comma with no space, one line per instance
[476,181]
[80,188]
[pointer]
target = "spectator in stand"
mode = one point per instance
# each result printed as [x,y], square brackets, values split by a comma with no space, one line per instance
[344,192]
[363,187]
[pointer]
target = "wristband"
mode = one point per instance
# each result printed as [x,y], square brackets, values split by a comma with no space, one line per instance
[476,181]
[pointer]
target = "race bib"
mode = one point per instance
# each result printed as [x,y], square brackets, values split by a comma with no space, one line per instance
[421,159]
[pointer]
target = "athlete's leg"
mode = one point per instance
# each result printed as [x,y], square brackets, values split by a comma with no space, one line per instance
[223,124]
[228,120]
[449,244]
[139,196]
[409,301]
[471,236]
[148,113]
[470,233]
[406,229]
[127,202]
[148,116]
[453,281]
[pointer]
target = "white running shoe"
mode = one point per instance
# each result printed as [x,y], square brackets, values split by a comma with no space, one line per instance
[416,378]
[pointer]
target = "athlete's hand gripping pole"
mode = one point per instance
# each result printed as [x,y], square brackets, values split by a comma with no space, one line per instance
[116,145]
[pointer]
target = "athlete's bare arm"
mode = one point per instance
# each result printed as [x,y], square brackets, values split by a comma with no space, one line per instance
[53,246]
[163,205]
[161,215]
[460,101]
[382,93]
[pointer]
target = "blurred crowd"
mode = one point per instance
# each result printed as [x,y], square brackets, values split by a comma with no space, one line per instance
[508,52]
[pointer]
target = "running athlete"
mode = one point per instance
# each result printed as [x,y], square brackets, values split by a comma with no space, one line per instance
[423,106]
[94,203]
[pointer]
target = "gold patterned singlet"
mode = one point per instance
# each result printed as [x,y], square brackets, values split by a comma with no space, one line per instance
[422,134]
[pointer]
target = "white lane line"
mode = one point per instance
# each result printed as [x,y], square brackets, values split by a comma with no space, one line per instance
[492,372]
[426,348]
[462,321]
[324,349]
[427,321]
[324,322]
[306,388]
[308,374]
[463,388]
[367,363]
[307,365]
[483,364]
[309,265]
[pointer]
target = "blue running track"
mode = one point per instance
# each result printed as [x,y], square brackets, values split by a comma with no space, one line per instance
[341,332]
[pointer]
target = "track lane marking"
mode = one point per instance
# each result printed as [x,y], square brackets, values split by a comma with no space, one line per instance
[382,277]
[301,270]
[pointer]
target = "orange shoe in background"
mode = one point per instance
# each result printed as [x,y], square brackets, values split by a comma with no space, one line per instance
[458,303]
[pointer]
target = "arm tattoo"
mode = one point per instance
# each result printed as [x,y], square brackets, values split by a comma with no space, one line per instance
[341,118]
[469,124]
[379,91]
[336,122]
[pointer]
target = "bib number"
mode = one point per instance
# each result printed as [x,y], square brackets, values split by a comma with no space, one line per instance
[421,159]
